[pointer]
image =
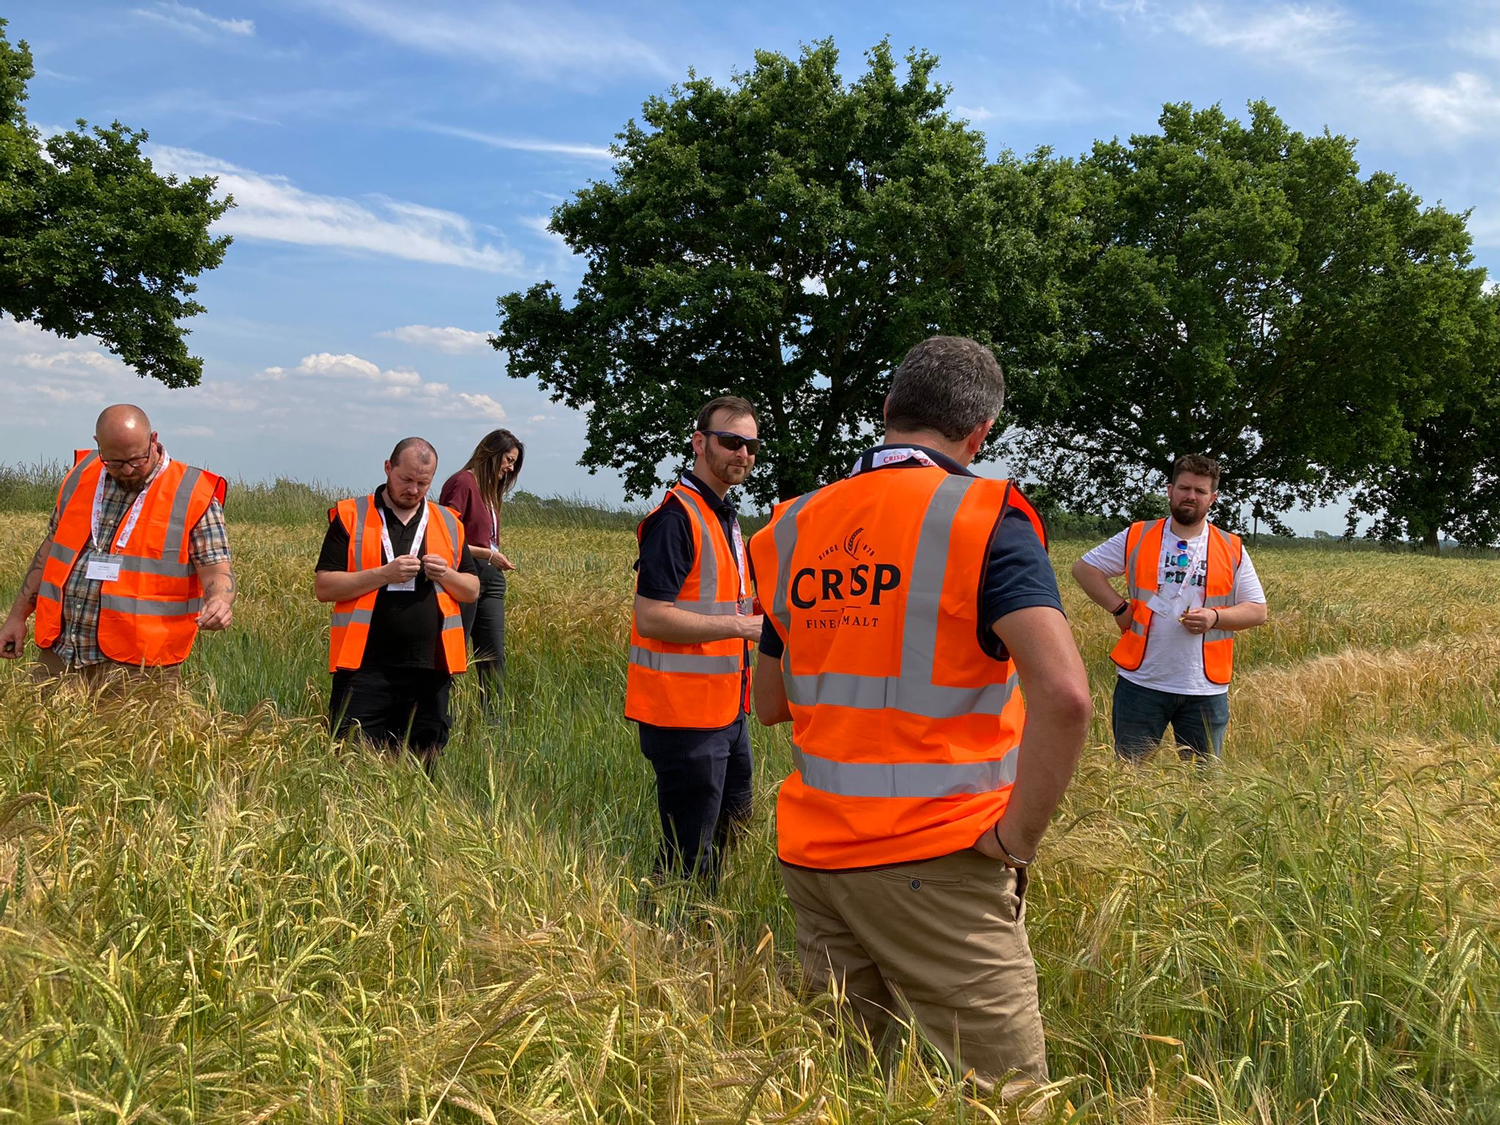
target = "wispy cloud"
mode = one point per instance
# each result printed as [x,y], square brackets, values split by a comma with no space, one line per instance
[545,41]
[974,114]
[1464,105]
[193,21]
[524,144]
[435,399]
[271,207]
[453,341]
[1287,30]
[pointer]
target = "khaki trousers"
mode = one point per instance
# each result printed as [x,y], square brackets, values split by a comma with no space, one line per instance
[106,676]
[943,941]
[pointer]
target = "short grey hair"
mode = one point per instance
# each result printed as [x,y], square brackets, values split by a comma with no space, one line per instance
[947,384]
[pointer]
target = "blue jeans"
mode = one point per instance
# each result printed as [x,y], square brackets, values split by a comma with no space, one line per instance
[1141,716]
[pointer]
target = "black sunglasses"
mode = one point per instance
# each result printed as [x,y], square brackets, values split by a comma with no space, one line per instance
[732,442]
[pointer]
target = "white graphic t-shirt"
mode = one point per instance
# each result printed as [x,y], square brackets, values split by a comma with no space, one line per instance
[1174,657]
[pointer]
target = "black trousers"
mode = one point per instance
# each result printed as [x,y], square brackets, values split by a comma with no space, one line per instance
[393,708]
[484,627]
[703,794]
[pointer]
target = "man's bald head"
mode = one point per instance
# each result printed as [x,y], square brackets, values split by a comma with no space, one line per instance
[127,444]
[122,423]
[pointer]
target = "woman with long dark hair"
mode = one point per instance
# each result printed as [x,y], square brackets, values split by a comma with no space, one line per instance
[477,492]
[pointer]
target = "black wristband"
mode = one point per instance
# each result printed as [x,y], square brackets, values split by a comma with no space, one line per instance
[1123,607]
[1019,864]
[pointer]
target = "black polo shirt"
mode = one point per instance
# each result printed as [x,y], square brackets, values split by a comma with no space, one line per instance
[406,626]
[666,552]
[1017,574]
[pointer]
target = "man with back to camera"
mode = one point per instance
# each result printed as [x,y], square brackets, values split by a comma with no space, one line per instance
[395,566]
[135,561]
[1190,588]
[688,680]
[903,606]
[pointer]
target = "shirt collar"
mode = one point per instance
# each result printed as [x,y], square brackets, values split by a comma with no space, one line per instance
[722,506]
[866,462]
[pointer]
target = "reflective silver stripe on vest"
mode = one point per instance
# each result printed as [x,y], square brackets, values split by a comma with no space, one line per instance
[912,690]
[351,617]
[708,558]
[710,609]
[684,662]
[170,568]
[60,553]
[1133,589]
[786,540]
[147,607]
[361,515]
[70,483]
[452,621]
[49,591]
[903,693]
[905,779]
[177,522]
[450,521]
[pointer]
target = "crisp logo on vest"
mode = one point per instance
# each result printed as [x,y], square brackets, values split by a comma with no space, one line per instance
[844,593]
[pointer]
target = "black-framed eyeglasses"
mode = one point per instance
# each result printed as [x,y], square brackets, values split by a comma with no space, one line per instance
[733,442]
[126,462]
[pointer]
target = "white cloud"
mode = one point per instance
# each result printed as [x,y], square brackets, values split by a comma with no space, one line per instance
[272,208]
[453,341]
[974,114]
[1286,31]
[192,21]
[524,144]
[1466,104]
[544,41]
[398,384]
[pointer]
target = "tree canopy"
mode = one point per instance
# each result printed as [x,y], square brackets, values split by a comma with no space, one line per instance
[787,237]
[94,241]
[1246,293]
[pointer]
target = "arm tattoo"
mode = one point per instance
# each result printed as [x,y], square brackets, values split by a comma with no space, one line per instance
[220,584]
[26,599]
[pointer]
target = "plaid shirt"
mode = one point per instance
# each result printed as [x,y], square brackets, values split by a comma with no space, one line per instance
[78,643]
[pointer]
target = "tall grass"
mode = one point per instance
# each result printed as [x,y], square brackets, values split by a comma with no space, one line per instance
[211,914]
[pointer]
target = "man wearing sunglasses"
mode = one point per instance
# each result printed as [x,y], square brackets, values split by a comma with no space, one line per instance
[136,560]
[1190,588]
[688,678]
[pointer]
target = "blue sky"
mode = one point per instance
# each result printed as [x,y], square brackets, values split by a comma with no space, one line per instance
[394,165]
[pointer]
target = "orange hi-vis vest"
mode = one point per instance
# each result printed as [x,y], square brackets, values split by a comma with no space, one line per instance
[905,724]
[351,619]
[148,616]
[700,686]
[1142,575]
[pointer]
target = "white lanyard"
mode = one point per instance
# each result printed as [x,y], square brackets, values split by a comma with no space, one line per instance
[416,544]
[894,456]
[134,514]
[494,529]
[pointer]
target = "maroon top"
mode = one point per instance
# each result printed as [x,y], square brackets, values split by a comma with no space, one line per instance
[461,493]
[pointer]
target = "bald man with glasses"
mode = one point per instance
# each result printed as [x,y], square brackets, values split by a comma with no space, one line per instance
[135,562]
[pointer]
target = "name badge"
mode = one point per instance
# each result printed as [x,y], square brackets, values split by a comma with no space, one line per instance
[103,570]
[403,587]
[1163,602]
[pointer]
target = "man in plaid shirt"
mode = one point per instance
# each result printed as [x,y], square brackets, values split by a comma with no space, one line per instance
[132,460]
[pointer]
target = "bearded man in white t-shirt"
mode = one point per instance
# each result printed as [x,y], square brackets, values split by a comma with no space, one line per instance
[1190,587]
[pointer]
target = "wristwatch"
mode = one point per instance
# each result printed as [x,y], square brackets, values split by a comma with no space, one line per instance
[1123,607]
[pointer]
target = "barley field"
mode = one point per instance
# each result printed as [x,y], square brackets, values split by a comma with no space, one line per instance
[210,914]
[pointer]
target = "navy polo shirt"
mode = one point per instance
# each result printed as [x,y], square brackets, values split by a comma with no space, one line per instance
[666,552]
[1017,573]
